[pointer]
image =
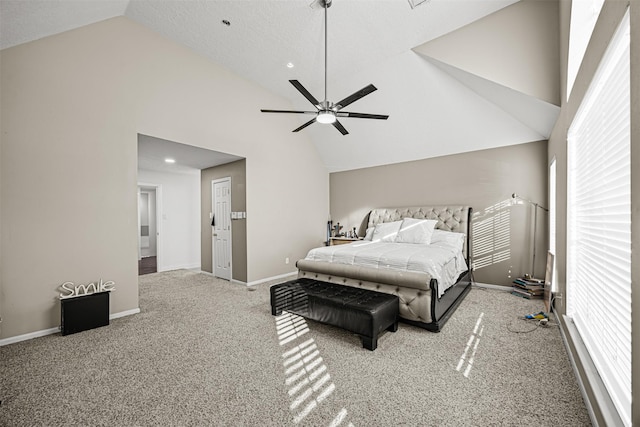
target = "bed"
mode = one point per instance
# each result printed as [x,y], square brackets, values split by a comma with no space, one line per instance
[431,280]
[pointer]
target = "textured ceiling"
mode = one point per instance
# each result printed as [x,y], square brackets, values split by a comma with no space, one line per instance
[435,108]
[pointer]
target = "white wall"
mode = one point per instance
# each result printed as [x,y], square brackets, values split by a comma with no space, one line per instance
[71,109]
[180,219]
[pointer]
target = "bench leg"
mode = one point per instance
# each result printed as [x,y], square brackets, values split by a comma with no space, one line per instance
[370,343]
[393,327]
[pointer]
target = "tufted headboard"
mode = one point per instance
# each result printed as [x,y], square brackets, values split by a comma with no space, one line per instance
[450,218]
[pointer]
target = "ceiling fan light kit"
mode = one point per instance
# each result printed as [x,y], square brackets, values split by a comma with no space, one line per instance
[326,117]
[326,111]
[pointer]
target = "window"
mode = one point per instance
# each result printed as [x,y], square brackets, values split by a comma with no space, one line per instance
[599,222]
[584,14]
[552,222]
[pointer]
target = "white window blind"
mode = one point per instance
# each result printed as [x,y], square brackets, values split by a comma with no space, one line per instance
[599,221]
[552,222]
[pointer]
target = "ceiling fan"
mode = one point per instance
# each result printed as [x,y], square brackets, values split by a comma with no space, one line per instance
[326,111]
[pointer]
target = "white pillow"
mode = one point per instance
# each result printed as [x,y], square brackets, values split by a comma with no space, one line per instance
[449,238]
[386,231]
[416,231]
[369,234]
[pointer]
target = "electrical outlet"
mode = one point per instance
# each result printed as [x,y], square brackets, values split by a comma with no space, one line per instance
[286,260]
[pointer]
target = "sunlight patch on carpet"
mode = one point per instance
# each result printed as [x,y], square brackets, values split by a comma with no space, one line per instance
[305,373]
[466,360]
[290,327]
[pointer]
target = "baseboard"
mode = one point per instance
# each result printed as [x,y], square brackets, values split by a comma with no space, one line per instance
[490,286]
[602,399]
[268,279]
[179,267]
[576,373]
[124,313]
[237,282]
[51,331]
[255,282]
[29,336]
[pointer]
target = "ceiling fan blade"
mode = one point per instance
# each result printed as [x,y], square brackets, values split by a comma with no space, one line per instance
[362,115]
[305,92]
[339,126]
[305,125]
[289,111]
[355,96]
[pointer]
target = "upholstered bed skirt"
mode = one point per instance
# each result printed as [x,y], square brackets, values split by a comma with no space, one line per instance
[412,288]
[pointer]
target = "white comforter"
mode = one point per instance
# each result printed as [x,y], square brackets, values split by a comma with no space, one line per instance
[442,261]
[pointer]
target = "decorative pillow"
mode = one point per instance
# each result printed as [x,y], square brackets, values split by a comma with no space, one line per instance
[449,238]
[416,231]
[369,233]
[386,231]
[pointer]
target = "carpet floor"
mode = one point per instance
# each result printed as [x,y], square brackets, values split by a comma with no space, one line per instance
[206,352]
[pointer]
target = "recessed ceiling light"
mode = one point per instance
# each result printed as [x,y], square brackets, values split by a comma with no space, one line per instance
[290,65]
[226,22]
[169,160]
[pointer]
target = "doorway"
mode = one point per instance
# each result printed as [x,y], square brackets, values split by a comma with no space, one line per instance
[166,163]
[221,227]
[148,228]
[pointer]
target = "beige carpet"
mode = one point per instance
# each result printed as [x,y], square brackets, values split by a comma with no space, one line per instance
[207,352]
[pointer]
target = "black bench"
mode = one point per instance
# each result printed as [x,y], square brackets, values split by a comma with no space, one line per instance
[364,312]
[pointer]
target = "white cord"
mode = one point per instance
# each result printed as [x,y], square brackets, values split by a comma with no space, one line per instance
[538,323]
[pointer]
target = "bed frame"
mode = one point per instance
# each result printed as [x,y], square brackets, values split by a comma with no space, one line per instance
[419,302]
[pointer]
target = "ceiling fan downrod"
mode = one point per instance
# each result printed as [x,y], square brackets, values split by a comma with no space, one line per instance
[328,112]
[327,4]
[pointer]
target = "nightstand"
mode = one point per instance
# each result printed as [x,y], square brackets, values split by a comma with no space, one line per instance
[342,240]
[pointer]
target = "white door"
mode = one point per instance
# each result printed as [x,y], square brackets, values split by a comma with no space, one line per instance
[221,227]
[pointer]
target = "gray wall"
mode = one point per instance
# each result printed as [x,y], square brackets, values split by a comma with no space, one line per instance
[237,172]
[72,107]
[485,180]
[516,47]
[610,17]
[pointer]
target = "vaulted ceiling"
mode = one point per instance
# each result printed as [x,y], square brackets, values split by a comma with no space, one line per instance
[454,76]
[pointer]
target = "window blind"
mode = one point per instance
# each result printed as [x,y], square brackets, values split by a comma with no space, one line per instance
[552,222]
[599,221]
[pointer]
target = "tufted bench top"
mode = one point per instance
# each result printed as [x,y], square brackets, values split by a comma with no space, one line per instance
[362,311]
[344,295]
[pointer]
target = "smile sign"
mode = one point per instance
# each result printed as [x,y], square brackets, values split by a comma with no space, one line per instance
[73,291]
